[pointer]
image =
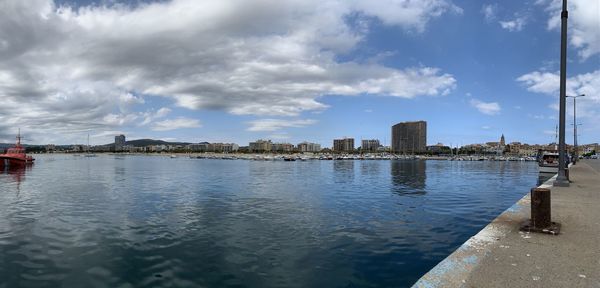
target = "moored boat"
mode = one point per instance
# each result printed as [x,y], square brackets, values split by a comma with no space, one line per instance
[16,156]
[548,162]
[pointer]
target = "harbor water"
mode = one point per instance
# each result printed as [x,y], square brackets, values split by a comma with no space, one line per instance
[152,221]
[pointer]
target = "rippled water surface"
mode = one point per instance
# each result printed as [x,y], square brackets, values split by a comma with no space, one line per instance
[140,221]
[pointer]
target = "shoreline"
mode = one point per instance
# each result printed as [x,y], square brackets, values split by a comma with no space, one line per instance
[309,156]
[500,255]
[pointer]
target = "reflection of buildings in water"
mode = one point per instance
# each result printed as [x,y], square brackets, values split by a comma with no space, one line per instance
[343,170]
[408,176]
[370,167]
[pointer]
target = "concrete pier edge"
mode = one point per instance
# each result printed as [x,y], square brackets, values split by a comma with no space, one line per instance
[454,270]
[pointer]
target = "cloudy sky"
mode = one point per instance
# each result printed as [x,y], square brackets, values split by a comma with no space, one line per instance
[293,70]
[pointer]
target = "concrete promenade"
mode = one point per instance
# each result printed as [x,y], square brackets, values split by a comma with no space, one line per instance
[502,256]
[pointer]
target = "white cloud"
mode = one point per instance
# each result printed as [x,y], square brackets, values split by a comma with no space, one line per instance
[541,82]
[177,123]
[536,116]
[413,14]
[84,68]
[588,83]
[584,23]
[486,127]
[514,25]
[280,136]
[549,83]
[151,115]
[489,108]
[278,124]
[489,12]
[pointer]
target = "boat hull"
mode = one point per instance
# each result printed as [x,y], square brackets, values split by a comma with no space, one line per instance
[14,161]
[548,169]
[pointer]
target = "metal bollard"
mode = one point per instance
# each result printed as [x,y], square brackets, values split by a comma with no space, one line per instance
[541,213]
[540,208]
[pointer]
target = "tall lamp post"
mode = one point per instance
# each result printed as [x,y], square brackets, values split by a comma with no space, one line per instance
[561,179]
[575,150]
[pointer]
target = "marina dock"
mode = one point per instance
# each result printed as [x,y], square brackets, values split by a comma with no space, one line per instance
[502,256]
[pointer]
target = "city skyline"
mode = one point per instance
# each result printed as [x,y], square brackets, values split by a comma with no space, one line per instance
[321,70]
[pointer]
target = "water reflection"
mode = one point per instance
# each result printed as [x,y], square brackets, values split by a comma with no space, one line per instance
[17,173]
[408,177]
[370,168]
[161,222]
[344,171]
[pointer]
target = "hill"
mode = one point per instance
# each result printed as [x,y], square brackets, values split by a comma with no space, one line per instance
[146,142]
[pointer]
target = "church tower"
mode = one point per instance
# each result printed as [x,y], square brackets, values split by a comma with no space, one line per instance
[502,142]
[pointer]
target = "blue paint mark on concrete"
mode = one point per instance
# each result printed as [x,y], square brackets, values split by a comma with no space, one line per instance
[515,208]
[426,284]
[444,267]
[472,260]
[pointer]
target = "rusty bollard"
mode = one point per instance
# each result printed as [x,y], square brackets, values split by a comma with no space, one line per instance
[541,213]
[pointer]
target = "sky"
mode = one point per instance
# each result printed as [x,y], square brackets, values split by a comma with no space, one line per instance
[294,70]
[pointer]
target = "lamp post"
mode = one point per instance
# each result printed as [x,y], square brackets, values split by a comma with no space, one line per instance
[575,153]
[561,179]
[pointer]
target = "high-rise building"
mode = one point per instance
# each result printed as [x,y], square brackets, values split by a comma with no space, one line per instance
[119,142]
[343,145]
[371,145]
[409,137]
[282,147]
[260,146]
[309,147]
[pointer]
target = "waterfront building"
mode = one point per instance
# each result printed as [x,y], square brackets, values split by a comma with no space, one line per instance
[50,148]
[343,145]
[384,149]
[282,147]
[309,147]
[409,137]
[229,147]
[501,146]
[213,147]
[371,145]
[158,148]
[77,148]
[513,148]
[198,147]
[119,142]
[438,148]
[104,148]
[260,146]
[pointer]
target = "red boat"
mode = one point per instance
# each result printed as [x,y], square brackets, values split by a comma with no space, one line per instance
[16,156]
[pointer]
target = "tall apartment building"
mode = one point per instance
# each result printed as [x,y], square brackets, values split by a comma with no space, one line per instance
[119,142]
[371,145]
[409,137]
[309,147]
[282,147]
[260,146]
[343,145]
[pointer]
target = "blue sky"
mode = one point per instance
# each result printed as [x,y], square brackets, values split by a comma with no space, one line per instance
[293,71]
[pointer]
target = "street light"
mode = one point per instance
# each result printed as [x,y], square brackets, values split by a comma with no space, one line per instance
[575,154]
[561,178]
